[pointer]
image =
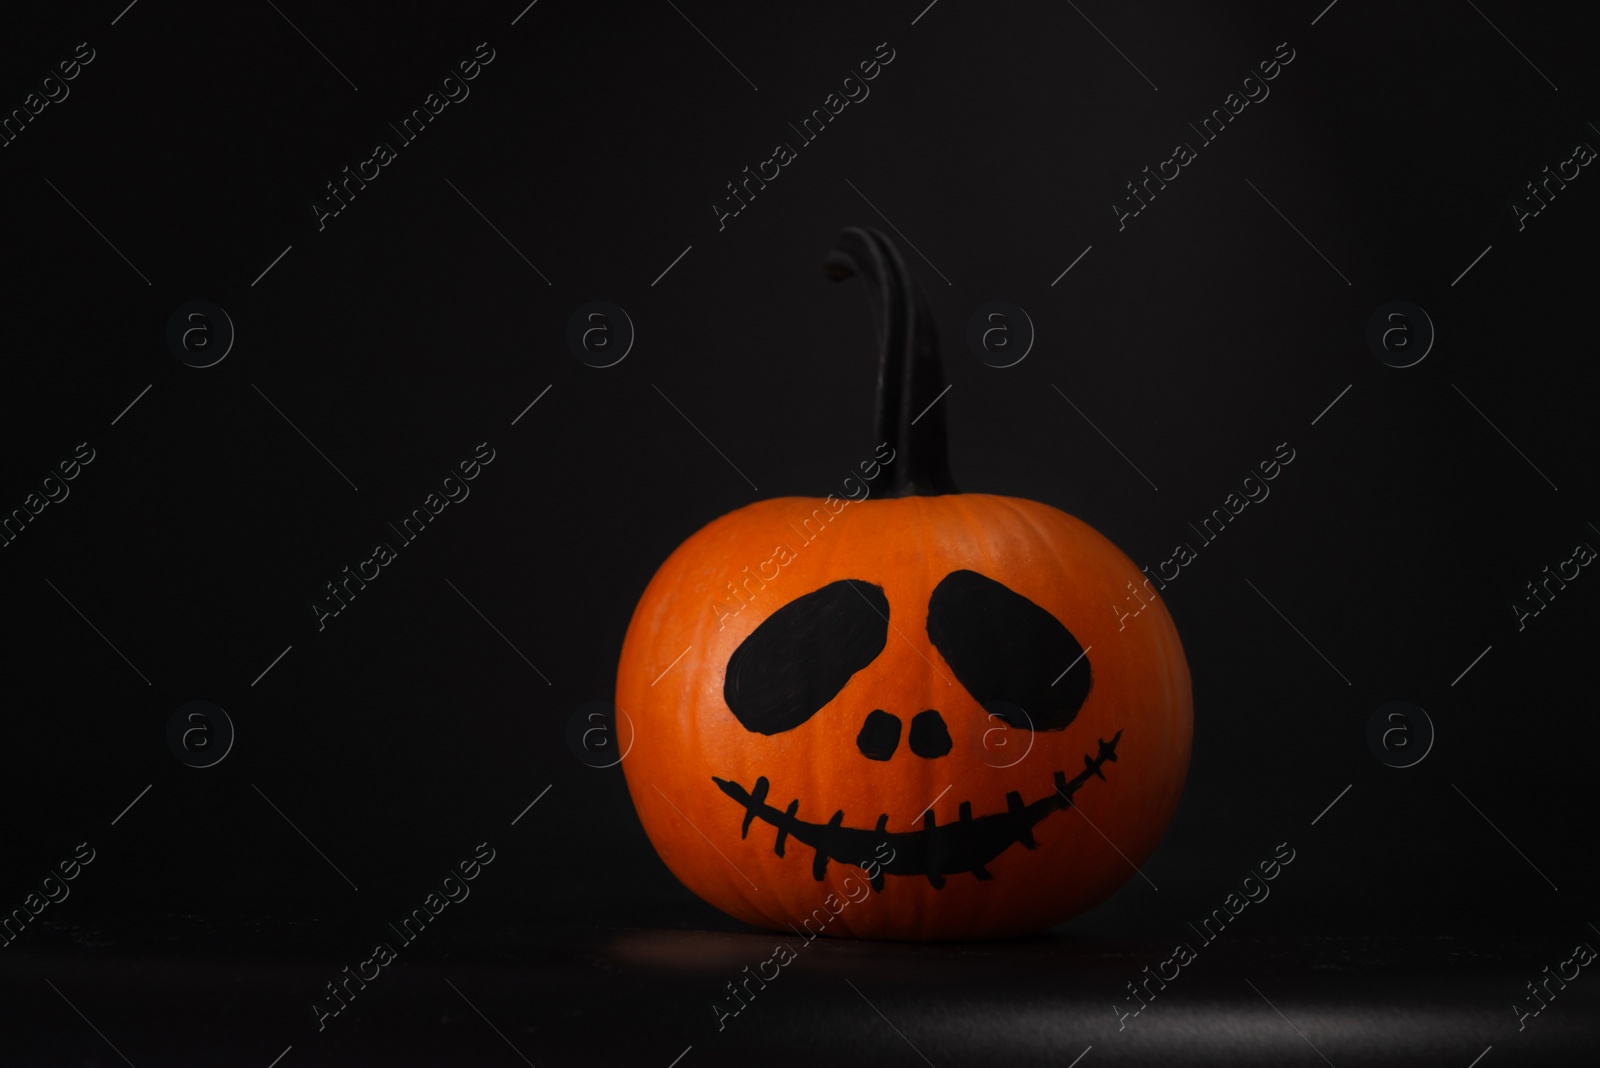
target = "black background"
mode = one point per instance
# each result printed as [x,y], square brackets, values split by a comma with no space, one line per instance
[429,714]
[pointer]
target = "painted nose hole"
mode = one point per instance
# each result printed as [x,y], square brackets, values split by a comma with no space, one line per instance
[929,736]
[880,735]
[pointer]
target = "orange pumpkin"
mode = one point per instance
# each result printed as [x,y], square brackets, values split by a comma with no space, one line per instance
[879,710]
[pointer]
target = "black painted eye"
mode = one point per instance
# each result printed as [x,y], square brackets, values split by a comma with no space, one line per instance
[1007,651]
[802,655]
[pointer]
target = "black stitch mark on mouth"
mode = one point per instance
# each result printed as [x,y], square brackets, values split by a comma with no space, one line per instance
[935,851]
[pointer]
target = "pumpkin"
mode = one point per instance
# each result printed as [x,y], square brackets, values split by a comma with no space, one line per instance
[868,714]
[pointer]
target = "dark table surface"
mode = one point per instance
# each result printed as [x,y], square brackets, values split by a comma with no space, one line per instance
[186,990]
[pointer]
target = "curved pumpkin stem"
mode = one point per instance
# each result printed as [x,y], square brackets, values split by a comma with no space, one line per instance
[910,373]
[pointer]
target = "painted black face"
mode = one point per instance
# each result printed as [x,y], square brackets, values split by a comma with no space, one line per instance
[934,851]
[1016,659]
[1008,652]
[801,656]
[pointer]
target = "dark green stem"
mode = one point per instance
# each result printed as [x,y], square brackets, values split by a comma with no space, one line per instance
[910,374]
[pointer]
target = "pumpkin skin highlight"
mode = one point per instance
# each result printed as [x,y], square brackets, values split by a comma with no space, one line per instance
[685,735]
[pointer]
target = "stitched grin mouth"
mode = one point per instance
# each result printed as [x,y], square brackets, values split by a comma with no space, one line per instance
[936,850]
